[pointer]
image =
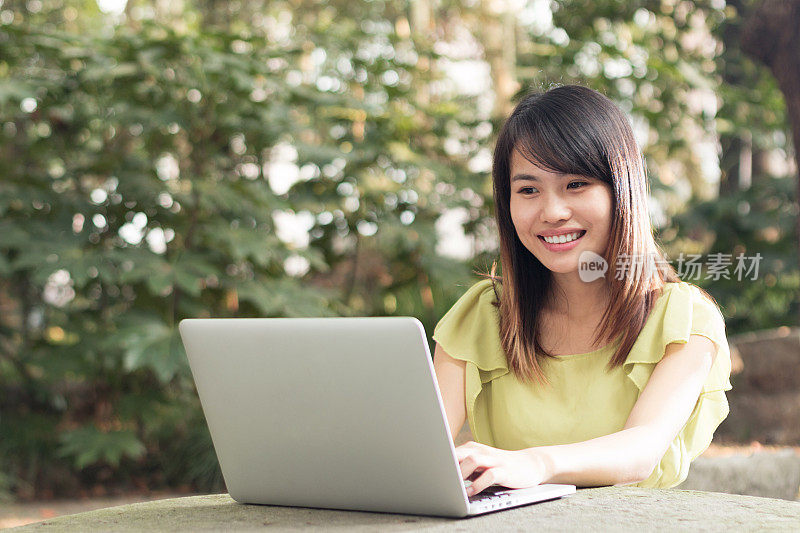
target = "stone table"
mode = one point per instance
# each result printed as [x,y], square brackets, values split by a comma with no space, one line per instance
[598,509]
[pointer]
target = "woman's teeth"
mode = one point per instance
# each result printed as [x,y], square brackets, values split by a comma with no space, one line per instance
[560,239]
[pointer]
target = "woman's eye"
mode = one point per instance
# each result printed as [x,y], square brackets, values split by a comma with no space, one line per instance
[532,190]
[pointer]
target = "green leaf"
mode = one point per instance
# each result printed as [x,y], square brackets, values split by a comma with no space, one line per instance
[89,445]
[285,297]
[148,343]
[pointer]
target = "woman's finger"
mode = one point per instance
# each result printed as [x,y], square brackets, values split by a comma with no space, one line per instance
[468,466]
[476,462]
[462,453]
[485,480]
[465,449]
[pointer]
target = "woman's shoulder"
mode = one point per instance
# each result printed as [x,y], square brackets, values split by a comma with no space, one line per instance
[684,287]
[684,307]
[679,294]
[478,303]
[486,290]
[682,310]
[470,330]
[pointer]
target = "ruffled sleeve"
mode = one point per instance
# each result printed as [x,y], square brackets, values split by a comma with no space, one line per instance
[470,331]
[683,311]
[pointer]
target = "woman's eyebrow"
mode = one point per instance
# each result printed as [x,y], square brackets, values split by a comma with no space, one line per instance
[531,177]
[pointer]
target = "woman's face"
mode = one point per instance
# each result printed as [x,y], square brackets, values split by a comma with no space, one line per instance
[548,204]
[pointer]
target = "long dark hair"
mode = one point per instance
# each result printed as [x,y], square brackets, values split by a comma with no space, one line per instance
[574,130]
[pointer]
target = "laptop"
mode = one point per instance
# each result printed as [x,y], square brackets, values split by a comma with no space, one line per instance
[335,413]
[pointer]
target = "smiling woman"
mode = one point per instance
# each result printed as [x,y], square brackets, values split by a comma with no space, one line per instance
[567,161]
[615,380]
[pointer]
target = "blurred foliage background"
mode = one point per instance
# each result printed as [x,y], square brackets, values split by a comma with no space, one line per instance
[192,158]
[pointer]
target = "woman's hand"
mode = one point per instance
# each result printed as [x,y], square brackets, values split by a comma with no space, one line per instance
[488,466]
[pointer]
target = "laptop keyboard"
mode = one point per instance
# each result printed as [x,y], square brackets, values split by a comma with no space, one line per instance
[490,495]
[489,498]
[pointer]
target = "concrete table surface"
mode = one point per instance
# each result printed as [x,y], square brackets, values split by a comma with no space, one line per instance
[599,509]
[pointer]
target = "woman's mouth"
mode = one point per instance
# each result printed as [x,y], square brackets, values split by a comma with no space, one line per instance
[564,242]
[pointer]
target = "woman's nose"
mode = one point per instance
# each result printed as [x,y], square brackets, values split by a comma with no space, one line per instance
[555,209]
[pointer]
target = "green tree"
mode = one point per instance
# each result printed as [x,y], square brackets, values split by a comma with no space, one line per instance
[141,185]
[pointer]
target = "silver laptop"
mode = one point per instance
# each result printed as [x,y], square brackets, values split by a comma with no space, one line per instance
[336,413]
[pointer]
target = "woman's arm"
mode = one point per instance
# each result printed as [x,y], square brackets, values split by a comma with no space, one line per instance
[450,375]
[663,408]
[627,456]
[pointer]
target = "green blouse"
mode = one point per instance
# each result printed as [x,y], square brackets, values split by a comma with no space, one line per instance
[585,401]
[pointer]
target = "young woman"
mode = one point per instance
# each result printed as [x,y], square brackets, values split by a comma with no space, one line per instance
[565,378]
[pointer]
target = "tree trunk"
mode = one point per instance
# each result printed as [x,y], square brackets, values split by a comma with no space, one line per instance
[497,33]
[770,35]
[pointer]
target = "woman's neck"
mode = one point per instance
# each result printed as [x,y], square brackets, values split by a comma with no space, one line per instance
[576,299]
